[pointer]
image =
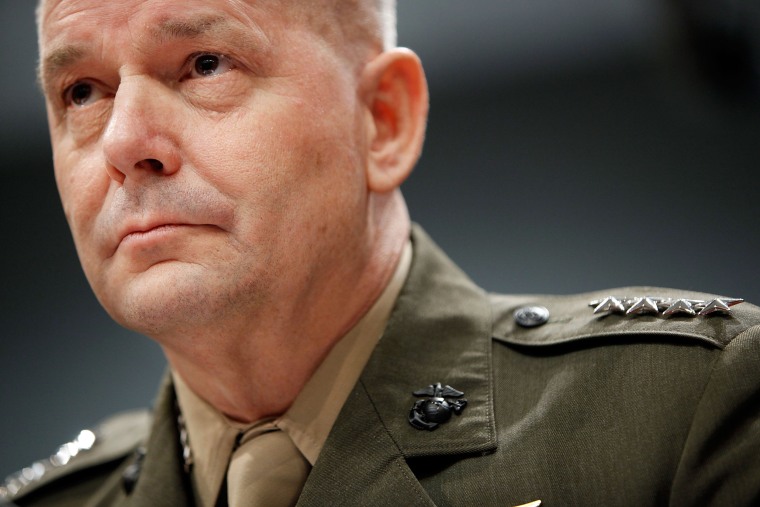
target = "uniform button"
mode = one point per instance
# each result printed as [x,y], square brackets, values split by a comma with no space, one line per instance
[531,316]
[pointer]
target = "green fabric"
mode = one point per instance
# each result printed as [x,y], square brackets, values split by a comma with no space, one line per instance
[589,410]
[585,410]
[162,481]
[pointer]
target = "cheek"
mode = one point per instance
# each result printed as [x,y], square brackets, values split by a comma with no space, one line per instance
[82,187]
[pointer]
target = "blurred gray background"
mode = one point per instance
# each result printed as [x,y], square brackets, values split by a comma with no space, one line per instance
[571,146]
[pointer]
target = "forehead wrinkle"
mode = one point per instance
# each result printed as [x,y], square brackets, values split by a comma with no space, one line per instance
[250,37]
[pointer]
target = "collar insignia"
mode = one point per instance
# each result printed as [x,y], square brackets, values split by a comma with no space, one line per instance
[436,409]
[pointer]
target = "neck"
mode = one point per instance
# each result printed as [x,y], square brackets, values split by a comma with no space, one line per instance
[256,370]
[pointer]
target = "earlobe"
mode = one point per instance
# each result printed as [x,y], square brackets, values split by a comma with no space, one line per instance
[397,99]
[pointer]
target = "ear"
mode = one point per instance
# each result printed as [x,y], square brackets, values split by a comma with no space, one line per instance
[395,91]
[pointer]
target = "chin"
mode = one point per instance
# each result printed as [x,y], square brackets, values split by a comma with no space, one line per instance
[163,299]
[170,315]
[179,298]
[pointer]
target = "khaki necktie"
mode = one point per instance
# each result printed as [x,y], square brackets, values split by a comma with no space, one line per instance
[267,469]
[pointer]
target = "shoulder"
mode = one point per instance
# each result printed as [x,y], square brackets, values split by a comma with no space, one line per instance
[650,389]
[109,441]
[639,313]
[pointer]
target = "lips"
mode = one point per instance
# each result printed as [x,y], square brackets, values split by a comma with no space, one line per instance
[154,228]
[141,232]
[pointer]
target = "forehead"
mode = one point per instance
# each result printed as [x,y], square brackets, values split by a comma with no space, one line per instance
[73,29]
[90,20]
[330,18]
[52,11]
[55,15]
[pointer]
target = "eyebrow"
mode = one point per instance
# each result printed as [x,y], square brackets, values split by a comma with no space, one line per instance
[58,59]
[173,29]
[166,31]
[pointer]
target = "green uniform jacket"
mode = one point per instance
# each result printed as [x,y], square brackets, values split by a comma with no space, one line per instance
[584,410]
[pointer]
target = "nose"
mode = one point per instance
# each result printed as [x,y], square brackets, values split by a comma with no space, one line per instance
[139,140]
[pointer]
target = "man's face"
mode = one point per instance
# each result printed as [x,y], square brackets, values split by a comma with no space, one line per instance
[209,154]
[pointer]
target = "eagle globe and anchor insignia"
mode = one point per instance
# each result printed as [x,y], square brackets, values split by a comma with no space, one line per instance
[436,409]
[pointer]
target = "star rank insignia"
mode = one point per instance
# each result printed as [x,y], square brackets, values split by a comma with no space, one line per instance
[664,307]
[642,306]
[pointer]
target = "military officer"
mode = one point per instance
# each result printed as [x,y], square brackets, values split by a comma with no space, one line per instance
[230,172]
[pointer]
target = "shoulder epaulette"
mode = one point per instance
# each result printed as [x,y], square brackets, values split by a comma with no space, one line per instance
[542,320]
[112,439]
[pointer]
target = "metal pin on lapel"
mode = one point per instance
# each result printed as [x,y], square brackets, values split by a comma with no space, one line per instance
[429,413]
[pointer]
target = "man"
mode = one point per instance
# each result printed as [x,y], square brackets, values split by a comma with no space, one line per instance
[230,171]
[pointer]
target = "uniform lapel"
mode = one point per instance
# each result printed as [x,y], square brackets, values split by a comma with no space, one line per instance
[162,481]
[440,331]
[361,464]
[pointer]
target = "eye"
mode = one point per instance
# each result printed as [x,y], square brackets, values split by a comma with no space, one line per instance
[209,64]
[82,93]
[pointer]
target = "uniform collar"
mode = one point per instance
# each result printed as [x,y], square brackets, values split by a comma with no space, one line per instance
[440,331]
[160,472]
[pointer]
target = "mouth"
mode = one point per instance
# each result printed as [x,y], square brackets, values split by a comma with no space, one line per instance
[157,229]
[153,233]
